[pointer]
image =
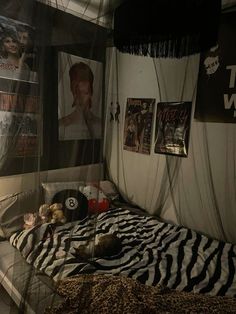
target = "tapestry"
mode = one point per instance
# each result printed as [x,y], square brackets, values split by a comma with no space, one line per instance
[172,128]
[17,51]
[216,90]
[138,124]
[79,97]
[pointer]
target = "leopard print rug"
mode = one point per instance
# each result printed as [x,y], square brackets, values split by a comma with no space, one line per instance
[106,294]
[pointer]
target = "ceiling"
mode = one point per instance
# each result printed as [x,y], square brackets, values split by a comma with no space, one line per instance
[97,11]
[101,11]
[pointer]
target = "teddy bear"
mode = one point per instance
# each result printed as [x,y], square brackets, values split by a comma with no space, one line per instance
[45,213]
[57,213]
[97,200]
[51,213]
[30,220]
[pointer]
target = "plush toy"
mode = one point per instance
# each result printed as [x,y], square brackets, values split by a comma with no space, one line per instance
[31,220]
[51,213]
[57,213]
[97,200]
[45,213]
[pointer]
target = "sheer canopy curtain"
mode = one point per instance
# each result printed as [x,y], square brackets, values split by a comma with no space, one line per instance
[198,191]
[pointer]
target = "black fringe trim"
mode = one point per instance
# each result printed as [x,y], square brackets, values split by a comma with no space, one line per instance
[166,28]
[172,48]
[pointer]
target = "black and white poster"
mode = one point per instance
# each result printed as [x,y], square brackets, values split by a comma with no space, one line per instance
[172,128]
[17,51]
[216,87]
[79,97]
[138,124]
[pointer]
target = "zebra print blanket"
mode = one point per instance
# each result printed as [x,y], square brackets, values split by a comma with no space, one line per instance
[152,252]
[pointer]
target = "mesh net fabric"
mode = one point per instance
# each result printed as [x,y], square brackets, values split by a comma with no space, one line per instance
[38,132]
[37,90]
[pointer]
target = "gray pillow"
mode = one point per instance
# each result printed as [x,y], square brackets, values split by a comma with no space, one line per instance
[12,210]
[109,189]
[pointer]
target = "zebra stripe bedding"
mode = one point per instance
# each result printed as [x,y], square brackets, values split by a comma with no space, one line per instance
[153,252]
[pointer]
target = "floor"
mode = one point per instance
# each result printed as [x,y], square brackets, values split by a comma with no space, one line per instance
[7,306]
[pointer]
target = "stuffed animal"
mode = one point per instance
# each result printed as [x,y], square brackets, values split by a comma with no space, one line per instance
[107,245]
[45,213]
[51,213]
[57,213]
[97,200]
[31,220]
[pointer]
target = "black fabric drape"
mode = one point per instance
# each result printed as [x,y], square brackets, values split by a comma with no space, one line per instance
[166,28]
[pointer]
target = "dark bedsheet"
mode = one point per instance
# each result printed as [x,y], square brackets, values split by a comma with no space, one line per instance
[153,252]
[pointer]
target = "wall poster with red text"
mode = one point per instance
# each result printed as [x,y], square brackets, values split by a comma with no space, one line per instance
[172,128]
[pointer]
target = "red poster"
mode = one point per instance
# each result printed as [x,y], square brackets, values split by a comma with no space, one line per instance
[172,128]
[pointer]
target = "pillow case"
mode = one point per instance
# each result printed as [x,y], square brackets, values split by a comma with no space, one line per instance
[51,188]
[109,189]
[98,195]
[74,204]
[12,210]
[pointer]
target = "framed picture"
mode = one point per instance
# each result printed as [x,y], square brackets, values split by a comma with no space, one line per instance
[19,124]
[17,51]
[172,128]
[138,124]
[80,86]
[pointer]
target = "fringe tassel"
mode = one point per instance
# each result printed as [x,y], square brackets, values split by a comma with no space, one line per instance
[166,28]
[172,48]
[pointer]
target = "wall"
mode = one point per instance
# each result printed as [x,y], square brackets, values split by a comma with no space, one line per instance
[28,181]
[197,191]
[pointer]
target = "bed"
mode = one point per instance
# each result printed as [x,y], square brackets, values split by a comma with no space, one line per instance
[154,254]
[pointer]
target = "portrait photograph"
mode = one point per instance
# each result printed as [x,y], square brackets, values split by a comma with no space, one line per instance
[17,51]
[80,85]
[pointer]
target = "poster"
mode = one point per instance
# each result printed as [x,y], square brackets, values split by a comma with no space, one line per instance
[17,51]
[172,128]
[19,120]
[216,86]
[138,124]
[80,86]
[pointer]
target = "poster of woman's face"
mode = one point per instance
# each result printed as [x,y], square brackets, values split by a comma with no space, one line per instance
[17,51]
[79,97]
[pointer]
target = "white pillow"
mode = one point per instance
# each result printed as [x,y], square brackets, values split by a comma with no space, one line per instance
[51,188]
